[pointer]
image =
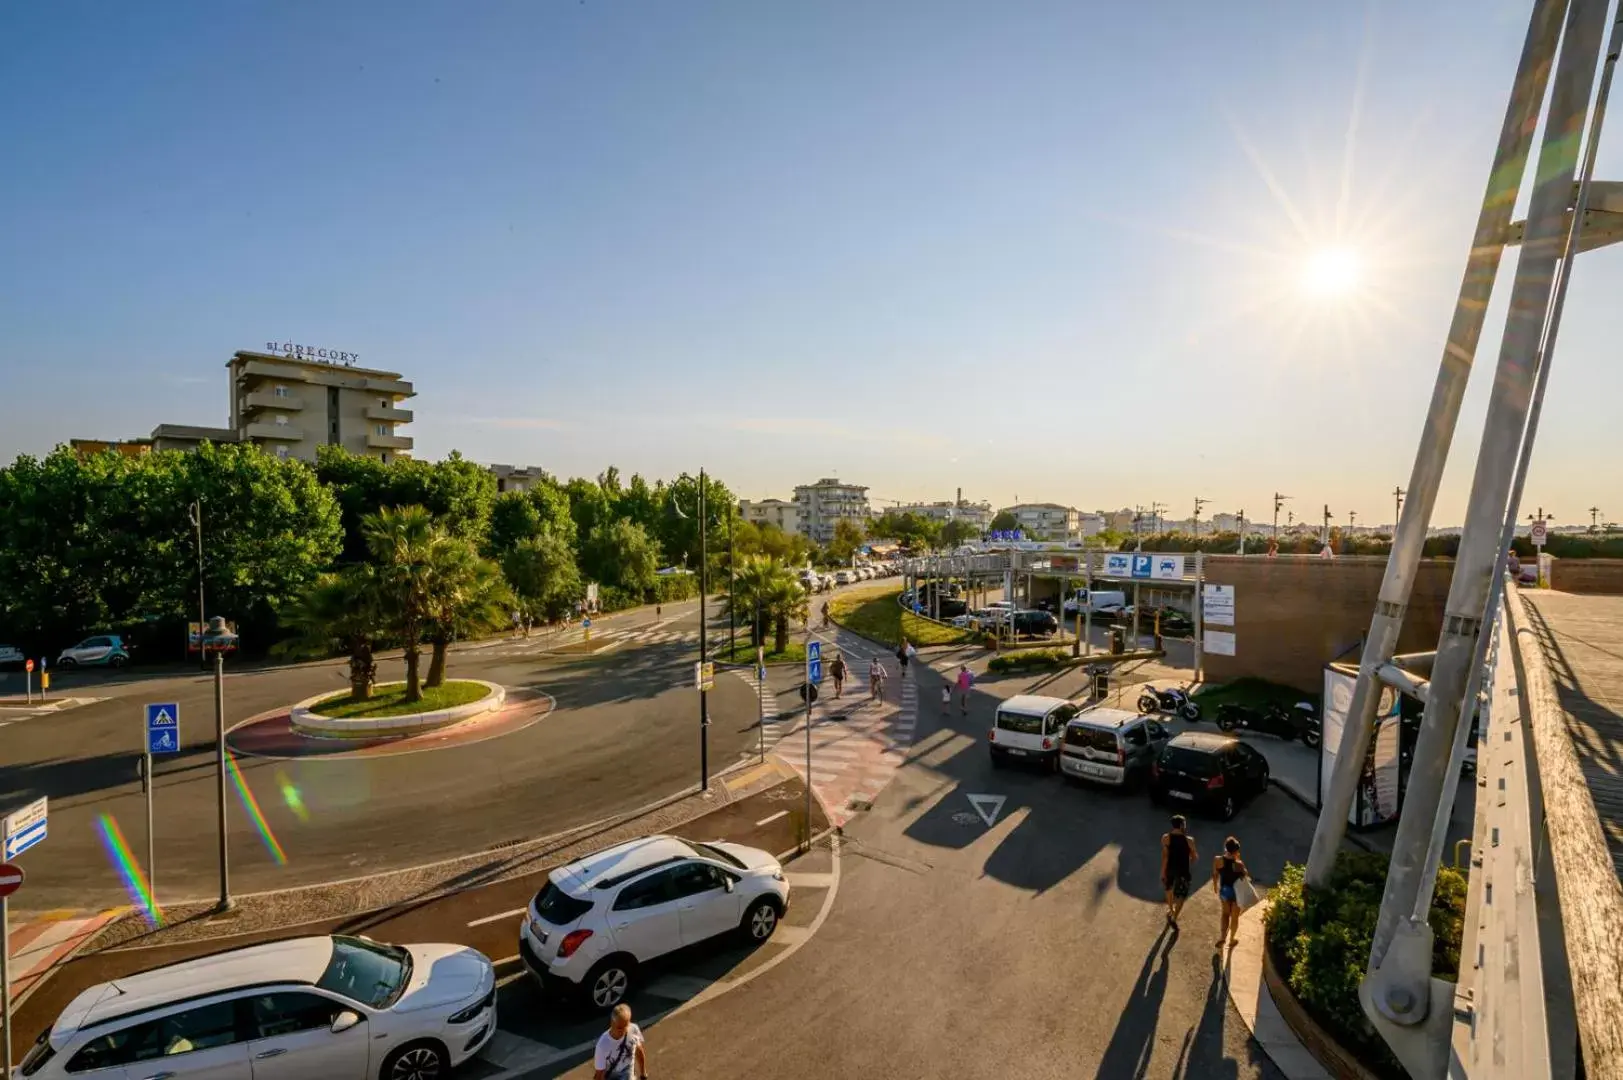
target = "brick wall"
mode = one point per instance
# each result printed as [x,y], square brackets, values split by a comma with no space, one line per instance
[1293,614]
[1603,577]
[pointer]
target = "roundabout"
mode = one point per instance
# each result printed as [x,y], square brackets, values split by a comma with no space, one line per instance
[339,716]
[279,733]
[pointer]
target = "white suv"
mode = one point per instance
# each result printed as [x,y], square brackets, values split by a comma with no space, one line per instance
[600,918]
[339,1008]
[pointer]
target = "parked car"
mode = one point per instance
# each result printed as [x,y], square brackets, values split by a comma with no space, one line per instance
[11,656]
[103,650]
[998,610]
[1038,624]
[953,606]
[1029,728]
[1101,602]
[843,577]
[1208,771]
[600,920]
[344,1008]
[1111,746]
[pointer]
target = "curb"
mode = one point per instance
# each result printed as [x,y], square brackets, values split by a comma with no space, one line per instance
[1250,991]
[1311,805]
[307,722]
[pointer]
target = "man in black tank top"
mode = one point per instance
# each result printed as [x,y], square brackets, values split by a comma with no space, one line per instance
[1177,857]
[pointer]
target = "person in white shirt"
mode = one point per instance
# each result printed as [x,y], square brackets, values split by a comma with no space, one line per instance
[620,1053]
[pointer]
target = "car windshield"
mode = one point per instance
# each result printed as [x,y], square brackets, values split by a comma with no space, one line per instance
[366,971]
[1020,722]
[710,852]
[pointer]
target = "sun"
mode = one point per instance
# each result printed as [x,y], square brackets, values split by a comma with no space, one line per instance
[1331,272]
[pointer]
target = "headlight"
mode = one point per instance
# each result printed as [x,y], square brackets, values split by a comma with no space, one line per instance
[777,875]
[473,1010]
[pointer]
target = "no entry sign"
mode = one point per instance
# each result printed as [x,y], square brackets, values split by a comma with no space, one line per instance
[11,878]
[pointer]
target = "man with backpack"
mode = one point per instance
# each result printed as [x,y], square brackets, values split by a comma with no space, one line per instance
[620,1054]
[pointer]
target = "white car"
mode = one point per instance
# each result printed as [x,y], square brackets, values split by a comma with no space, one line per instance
[598,920]
[844,577]
[10,654]
[333,1007]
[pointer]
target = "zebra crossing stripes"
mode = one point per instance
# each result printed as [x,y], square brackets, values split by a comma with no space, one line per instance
[856,746]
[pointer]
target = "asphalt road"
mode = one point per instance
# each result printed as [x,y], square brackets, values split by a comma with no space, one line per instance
[1033,948]
[624,733]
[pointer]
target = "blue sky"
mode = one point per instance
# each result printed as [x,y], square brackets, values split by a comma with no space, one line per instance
[1049,249]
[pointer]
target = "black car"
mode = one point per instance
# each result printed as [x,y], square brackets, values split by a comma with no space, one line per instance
[1208,771]
[1038,624]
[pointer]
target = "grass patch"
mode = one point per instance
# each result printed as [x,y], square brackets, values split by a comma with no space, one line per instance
[1031,659]
[1254,693]
[390,700]
[876,615]
[744,653]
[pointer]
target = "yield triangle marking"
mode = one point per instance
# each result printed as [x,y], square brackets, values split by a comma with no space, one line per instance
[987,806]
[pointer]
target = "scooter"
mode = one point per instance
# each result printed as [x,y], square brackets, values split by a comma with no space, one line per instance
[1272,719]
[1173,701]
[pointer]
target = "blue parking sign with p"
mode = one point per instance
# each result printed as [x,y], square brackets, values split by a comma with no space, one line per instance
[163,728]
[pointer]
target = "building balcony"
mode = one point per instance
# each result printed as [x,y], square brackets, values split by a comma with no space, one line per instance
[388,442]
[266,399]
[398,416]
[273,432]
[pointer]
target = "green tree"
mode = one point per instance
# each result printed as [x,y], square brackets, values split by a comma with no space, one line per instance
[848,537]
[517,516]
[588,505]
[466,595]
[542,573]
[1003,521]
[642,504]
[956,532]
[678,529]
[457,493]
[621,555]
[402,542]
[765,591]
[911,530]
[340,612]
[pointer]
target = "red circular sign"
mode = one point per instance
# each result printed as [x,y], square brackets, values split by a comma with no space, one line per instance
[11,878]
[28,665]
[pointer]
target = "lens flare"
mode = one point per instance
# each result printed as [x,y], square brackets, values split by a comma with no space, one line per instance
[251,804]
[135,882]
[291,796]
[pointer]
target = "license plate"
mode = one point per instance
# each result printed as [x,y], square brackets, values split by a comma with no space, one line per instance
[1012,750]
[1181,795]
[1094,770]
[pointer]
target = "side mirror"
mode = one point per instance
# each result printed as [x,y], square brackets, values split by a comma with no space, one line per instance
[727,883]
[345,1020]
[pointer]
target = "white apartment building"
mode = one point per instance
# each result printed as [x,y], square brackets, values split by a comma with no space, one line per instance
[516,477]
[977,515]
[780,512]
[1092,523]
[822,504]
[1046,521]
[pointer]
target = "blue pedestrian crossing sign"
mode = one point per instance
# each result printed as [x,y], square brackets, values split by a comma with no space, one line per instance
[163,728]
[814,661]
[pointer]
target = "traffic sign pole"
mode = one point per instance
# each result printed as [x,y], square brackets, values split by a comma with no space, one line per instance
[152,858]
[5,962]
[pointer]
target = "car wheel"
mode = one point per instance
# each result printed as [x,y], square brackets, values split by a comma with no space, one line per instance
[117,661]
[760,920]
[1226,809]
[416,1061]
[67,662]
[608,983]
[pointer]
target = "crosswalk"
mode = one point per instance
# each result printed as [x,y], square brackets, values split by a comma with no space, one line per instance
[603,637]
[856,744]
[38,946]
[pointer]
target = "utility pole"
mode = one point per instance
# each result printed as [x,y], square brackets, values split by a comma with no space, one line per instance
[1352,518]
[219,754]
[704,651]
[1155,514]
[1199,502]
[1241,529]
[1594,519]
[1326,525]
[1279,501]
[1138,515]
[1397,508]
[197,523]
[732,617]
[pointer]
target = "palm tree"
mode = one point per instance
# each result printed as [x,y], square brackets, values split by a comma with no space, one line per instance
[340,611]
[466,594]
[401,541]
[786,599]
[766,590]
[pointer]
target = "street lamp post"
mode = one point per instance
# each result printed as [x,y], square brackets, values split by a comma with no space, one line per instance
[704,584]
[196,514]
[732,626]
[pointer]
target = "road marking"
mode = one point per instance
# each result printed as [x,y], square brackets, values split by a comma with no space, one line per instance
[809,881]
[773,817]
[499,918]
[508,1051]
[790,936]
[987,806]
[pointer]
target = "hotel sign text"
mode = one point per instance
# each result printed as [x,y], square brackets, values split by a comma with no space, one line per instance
[310,352]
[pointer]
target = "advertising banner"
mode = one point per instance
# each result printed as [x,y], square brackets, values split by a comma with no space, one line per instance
[1338,691]
[1118,564]
[1217,605]
[1167,568]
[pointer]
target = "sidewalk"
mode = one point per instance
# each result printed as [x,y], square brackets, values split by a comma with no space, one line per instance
[39,946]
[1256,1005]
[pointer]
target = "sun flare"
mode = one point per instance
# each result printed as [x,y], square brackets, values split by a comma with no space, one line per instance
[1331,272]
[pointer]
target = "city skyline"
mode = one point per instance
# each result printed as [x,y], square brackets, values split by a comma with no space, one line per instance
[918,248]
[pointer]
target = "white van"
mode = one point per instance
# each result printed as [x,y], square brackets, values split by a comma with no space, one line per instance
[1029,727]
[1097,602]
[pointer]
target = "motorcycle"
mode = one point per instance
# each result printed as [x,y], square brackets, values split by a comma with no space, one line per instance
[1173,701]
[1273,718]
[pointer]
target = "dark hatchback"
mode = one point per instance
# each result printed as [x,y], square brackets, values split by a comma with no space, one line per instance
[1210,772]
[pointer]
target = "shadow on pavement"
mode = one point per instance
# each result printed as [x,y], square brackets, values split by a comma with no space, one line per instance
[1128,1053]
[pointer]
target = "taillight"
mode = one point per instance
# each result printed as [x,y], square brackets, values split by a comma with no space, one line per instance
[1216,781]
[1155,768]
[572,941]
[1048,744]
[991,734]
[1121,755]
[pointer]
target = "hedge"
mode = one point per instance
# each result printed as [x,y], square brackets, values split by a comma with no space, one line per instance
[1320,941]
[1046,659]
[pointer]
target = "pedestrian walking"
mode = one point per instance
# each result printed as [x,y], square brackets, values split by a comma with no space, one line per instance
[825,614]
[659,610]
[621,1053]
[966,679]
[1177,865]
[837,670]
[876,680]
[946,697]
[1227,872]
[901,656]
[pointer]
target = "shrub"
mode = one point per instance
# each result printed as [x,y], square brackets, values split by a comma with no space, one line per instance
[1030,658]
[1320,939]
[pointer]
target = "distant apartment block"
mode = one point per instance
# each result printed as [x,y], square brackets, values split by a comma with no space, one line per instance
[1046,521]
[780,512]
[828,501]
[1091,523]
[516,477]
[976,515]
[289,406]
